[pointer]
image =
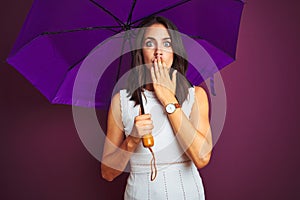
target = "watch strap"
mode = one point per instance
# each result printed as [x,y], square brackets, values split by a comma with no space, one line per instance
[177,105]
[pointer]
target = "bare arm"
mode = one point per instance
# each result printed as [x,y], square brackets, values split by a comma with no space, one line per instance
[194,134]
[117,150]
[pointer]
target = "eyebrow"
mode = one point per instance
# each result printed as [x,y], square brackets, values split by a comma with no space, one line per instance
[152,38]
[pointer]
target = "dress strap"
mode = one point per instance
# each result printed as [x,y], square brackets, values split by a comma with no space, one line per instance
[189,102]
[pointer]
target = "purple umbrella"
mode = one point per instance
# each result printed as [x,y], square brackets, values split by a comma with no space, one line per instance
[59,34]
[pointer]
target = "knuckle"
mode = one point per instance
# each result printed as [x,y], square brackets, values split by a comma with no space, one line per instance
[138,124]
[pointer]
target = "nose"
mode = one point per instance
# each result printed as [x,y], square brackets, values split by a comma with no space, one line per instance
[158,52]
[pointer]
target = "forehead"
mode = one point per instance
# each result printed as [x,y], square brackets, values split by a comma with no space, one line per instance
[157,31]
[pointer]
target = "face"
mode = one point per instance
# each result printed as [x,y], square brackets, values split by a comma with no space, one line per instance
[157,44]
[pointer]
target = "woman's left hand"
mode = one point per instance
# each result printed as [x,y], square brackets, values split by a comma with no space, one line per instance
[163,85]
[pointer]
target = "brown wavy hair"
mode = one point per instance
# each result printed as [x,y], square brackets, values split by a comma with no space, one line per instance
[137,76]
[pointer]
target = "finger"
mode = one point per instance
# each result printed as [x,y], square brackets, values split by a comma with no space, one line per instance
[147,129]
[174,77]
[153,75]
[145,122]
[160,66]
[142,117]
[159,60]
[164,64]
[166,70]
[156,69]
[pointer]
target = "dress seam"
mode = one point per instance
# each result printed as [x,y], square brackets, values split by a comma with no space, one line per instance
[196,183]
[148,174]
[182,187]
[132,195]
[170,163]
[165,183]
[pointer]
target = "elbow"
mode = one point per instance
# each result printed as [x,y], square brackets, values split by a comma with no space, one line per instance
[106,173]
[202,162]
[107,177]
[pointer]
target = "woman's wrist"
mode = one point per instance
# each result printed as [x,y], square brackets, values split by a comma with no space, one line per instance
[169,99]
[132,143]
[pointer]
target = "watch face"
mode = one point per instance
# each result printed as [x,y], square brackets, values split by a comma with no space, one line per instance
[170,108]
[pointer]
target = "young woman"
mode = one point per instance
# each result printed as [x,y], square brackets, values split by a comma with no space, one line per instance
[177,115]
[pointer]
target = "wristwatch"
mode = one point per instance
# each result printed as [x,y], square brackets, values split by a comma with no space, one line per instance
[171,107]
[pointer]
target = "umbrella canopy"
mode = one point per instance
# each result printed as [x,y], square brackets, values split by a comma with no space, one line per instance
[59,34]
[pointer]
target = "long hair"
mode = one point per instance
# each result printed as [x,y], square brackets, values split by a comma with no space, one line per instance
[137,76]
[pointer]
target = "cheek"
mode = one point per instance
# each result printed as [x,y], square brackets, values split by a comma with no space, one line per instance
[147,56]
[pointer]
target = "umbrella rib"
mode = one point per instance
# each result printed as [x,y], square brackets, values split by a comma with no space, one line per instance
[131,11]
[81,59]
[120,60]
[119,21]
[132,55]
[82,29]
[68,71]
[211,43]
[162,10]
[139,92]
[104,42]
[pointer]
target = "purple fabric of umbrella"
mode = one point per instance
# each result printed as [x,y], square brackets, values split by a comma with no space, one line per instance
[59,34]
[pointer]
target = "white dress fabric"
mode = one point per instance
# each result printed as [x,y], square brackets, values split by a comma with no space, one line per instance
[177,176]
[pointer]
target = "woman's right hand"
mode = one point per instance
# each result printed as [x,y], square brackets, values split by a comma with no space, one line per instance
[142,125]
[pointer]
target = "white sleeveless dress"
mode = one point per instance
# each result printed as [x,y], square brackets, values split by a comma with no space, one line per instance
[177,176]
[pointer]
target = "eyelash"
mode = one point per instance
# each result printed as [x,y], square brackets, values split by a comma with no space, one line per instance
[151,45]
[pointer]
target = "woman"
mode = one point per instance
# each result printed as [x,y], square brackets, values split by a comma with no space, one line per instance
[177,115]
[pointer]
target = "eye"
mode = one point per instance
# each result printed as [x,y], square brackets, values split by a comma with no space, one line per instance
[167,44]
[149,44]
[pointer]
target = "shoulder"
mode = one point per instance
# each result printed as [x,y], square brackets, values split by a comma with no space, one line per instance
[201,95]
[200,109]
[116,99]
[200,92]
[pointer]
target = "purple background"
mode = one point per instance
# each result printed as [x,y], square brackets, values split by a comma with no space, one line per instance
[256,157]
